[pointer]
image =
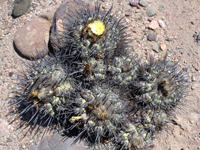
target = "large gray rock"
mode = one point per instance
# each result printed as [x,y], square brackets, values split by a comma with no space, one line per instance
[20,7]
[56,37]
[31,40]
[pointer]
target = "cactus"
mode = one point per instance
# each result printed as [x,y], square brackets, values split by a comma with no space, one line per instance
[45,91]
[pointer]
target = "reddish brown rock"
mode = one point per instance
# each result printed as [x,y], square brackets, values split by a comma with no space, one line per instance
[66,9]
[31,39]
[153,25]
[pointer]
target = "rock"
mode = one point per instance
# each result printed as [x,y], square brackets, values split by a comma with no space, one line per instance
[193,117]
[48,15]
[59,19]
[151,10]
[127,14]
[169,39]
[153,25]
[56,142]
[30,39]
[161,23]
[10,74]
[134,2]
[151,37]
[143,3]
[163,47]
[156,47]
[193,78]
[20,7]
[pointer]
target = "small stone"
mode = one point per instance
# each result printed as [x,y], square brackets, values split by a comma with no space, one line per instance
[156,47]
[134,2]
[161,23]
[143,3]
[10,109]
[10,74]
[151,10]
[23,146]
[163,47]
[30,39]
[169,39]
[20,7]
[127,14]
[151,37]
[193,78]
[153,25]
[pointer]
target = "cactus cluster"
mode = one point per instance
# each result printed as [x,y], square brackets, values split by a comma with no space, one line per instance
[45,92]
[92,84]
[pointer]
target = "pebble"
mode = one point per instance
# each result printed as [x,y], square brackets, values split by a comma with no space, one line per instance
[163,47]
[151,37]
[127,14]
[169,39]
[20,7]
[193,78]
[153,25]
[143,3]
[156,47]
[133,2]
[151,10]
[161,23]
[10,74]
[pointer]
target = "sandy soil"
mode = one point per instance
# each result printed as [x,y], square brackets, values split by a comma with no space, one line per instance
[182,20]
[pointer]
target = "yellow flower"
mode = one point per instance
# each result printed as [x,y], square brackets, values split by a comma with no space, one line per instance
[97,27]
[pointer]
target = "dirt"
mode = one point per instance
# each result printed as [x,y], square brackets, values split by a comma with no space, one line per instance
[182,21]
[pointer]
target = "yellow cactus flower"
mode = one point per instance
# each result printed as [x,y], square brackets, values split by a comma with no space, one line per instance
[97,27]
